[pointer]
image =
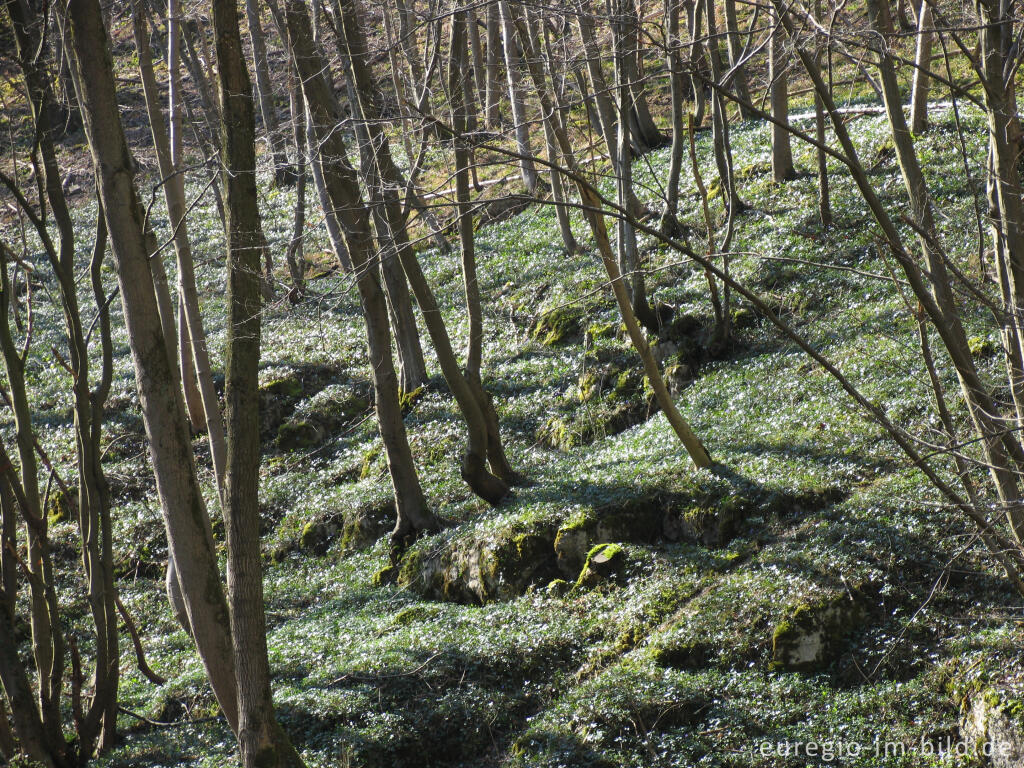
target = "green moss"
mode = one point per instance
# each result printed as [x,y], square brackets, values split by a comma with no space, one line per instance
[369,467]
[604,562]
[386,575]
[981,346]
[408,400]
[415,613]
[288,387]
[557,326]
[557,587]
[589,386]
[298,435]
[410,570]
[597,331]
[811,635]
[61,506]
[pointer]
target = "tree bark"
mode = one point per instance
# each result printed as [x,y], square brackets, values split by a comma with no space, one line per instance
[922,65]
[517,100]
[262,742]
[284,172]
[190,539]
[782,153]
[346,199]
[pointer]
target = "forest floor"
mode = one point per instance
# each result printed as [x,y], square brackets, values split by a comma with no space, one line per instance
[483,647]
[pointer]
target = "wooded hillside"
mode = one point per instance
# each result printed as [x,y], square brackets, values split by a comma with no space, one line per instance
[407,383]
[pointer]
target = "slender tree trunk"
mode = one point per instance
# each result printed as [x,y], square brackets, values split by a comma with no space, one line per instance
[592,207]
[492,99]
[922,65]
[261,741]
[194,356]
[782,153]
[739,70]
[720,121]
[479,71]
[645,134]
[345,197]
[294,253]
[598,84]
[284,173]
[677,88]
[99,721]
[518,102]
[824,195]
[412,369]
[190,539]
[627,253]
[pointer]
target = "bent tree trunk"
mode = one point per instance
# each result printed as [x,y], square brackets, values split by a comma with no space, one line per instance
[592,210]
[474,470]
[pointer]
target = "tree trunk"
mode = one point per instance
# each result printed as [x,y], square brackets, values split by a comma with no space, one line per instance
[677,88]
[492,100]
[518,102]
[193,349]
[592,208]
[294,255]
[261,741]
[284,172]
[782,153]
[922,65]
[345,198]
[626,246]
[190,539]
[739,70]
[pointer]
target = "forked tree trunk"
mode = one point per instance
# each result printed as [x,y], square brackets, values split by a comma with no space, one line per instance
[194,356]
[412,368]
[474,470]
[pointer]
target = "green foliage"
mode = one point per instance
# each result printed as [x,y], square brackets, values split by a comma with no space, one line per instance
[474,647]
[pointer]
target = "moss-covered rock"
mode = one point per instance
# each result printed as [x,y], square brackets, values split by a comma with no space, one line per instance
[498,566]
[318,535]
[993,724]
[636,520]
[605,562]
[366,525]
[598,331]
[299,435]
[812,635]
[557,326]
[284,388]
[591,422]
[61,506]
[321,415]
